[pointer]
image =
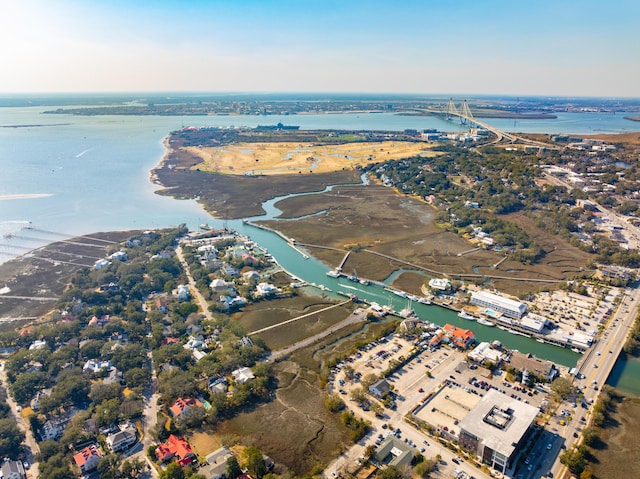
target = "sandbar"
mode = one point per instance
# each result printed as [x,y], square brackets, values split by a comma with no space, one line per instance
[25,196]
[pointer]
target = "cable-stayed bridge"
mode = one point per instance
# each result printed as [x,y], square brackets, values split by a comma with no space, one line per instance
[465,116]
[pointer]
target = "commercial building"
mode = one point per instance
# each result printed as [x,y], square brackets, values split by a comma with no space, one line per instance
[495,302]
[496,428]
[394,452]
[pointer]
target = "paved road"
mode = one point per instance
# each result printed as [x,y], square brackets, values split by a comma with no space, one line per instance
[204,306]
[31,444]
[596,365]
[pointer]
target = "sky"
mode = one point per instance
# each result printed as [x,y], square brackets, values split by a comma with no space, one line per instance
[542,47]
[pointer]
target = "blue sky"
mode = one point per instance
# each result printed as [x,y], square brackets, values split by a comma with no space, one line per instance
[577,48]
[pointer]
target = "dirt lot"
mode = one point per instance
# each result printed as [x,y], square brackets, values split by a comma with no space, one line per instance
[288,158]
[618,452]
[383,222]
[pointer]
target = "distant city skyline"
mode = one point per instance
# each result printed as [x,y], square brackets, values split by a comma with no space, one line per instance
[494,47]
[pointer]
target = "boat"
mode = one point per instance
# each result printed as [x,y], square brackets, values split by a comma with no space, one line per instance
[576,350]
[9,235]
[464,315]
[540,340]
[423,300]
[333,274]
[402,294]
[485,322]
[365,282]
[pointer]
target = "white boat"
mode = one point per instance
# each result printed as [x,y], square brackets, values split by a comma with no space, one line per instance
[423,300]
[576,350]
[485,322]
[333,274]
[464,315]
[540,340]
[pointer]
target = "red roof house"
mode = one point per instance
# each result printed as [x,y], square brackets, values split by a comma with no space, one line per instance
[88,458]
[175,447]
[182,405]
[458,336]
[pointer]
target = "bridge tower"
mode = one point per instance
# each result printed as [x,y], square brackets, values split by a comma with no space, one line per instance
[451,110]
[466,117]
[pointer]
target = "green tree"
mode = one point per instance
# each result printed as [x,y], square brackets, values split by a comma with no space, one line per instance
[390,472]
[562,387]
[334,403]
[10,438]
[574,460]
[233,468]
[254,462]
[173,471]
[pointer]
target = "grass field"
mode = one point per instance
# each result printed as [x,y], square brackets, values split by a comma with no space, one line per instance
[617,454]
[297,157]
[381,221]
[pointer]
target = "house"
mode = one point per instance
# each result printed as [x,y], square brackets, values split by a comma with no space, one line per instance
[51,430]
[218,385]
[183,292]
[101,263]
[251,275]
[265,289]
[217,464]
[35,402]
[101,321]
[242,375]
[461,338]
[182,406]
[379,388]
[88,459]
[220,285]
[38,344]
[175,447]
[119,255]
[12,470]
[120,440]
[96,366]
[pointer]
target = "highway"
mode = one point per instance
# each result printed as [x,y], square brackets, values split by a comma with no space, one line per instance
[595,366]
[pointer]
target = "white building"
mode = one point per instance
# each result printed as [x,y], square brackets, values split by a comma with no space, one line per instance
[120,440]
[101,263]
[183,292]
[501,304]
[242,375]
[441,284]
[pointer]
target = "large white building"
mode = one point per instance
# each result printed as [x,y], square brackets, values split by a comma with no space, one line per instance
[496,428]
[506,306]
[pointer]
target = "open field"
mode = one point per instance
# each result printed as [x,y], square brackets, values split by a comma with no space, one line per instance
[381,221]
[297,157]
[617,453]
[236,196]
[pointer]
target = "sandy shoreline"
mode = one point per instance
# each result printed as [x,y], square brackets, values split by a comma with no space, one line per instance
[24,196]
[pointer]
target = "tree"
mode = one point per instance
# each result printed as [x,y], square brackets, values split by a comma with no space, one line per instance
[132,469]
[108,466]
[389,472]
[173,471]
[254,462]
[562,387]
[424,468]
[10,438]
[589,435]
[334,403]
[233,468]
[574,460]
